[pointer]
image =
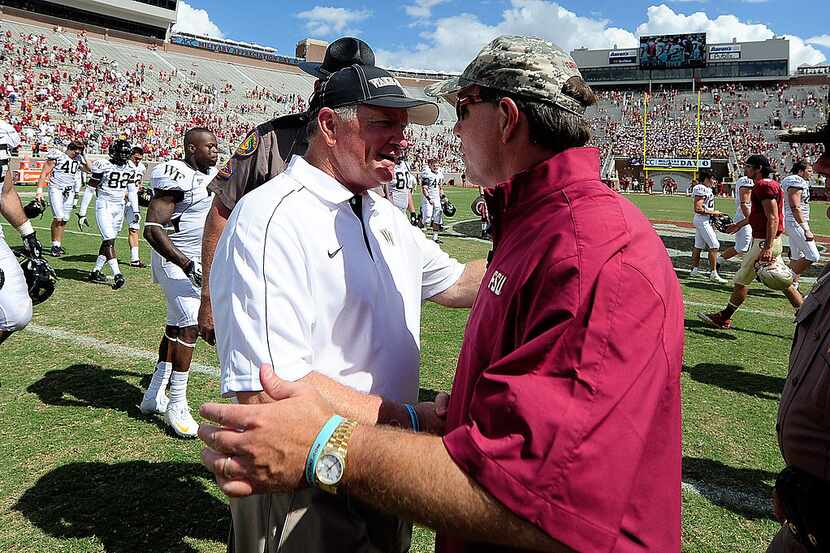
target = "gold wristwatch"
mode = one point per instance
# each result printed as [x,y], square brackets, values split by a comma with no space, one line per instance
[331,465]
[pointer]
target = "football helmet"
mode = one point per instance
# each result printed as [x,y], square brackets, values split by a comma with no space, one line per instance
[35,208]
[479,206]
[145,195]
[119,152]
[775,275]
[40,278]
[721,222]
[447,206]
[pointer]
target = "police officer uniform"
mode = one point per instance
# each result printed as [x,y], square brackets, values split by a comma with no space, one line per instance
[803,488]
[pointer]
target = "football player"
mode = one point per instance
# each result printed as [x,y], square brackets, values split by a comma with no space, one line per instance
[134,218]
[114,181]
[174,226]
[431,191]
[402,185]
[743,205]
[15,303]
[61,172]
[803,249]
[704,209]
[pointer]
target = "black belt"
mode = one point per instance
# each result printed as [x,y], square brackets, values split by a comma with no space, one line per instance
[805,500]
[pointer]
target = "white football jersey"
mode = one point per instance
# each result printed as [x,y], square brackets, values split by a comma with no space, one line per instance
[743,182]
[188,221]
[65,172]
[140,169]
[796,182]
[9,140]
[430,180]
[701,190]
[115,180]
[401,185]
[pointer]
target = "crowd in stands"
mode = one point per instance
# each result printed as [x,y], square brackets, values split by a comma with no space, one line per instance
[53,93]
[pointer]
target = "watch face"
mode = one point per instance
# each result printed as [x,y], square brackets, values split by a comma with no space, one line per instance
[329,469]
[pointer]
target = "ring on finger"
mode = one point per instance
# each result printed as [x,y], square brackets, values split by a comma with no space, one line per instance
[225,472]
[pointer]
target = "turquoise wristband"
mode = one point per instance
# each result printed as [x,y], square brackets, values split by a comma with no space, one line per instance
[319,442]
[413,417]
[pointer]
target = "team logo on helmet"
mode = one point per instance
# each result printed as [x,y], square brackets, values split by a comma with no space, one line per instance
[40,277]
[775,275]
[249,145]
[447,206]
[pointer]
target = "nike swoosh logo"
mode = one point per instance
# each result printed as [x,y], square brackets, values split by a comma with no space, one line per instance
[335,252]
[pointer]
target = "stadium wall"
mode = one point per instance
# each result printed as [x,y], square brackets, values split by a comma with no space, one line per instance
[766,60]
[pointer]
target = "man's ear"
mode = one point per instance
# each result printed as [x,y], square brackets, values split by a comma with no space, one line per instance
[509,119]
[327,123]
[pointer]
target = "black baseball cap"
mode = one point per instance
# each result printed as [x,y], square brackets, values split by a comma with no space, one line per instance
[341,53]
[372,86]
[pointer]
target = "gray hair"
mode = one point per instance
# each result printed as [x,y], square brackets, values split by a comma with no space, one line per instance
[345,113]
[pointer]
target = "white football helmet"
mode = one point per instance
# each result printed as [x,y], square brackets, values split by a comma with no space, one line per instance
[775,275]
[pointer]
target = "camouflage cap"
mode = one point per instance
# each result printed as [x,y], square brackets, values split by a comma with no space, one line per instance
[527,66]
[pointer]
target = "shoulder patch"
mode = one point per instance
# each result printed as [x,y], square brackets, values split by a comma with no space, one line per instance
[226,171]
[249,145]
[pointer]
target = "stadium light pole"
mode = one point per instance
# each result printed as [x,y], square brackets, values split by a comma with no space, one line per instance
[697,145]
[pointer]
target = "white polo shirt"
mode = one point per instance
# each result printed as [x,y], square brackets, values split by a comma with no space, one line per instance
[294,285]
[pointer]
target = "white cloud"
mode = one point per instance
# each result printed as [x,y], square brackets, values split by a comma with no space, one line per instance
[328,20]
[754,1]
[422,9]
[663,20]
[195,21]
[456,40]
[820,40]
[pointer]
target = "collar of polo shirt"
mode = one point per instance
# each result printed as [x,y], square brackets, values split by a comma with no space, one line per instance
[319,182]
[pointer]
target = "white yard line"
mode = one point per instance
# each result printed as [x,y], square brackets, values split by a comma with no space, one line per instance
[726,497]
[106,347]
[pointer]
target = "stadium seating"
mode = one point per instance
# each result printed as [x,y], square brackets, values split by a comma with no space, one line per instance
[64,86]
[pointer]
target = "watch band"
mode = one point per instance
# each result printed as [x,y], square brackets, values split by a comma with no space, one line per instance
[338,444]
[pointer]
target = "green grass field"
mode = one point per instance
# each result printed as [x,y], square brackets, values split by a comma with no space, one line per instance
[82,470]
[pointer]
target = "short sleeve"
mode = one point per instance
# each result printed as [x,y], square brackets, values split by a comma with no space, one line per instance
[98,168]
[557,428]
[267,315]
[53,155]
[440,271]
[245,170]
[766,191]
[699,190]
[164,179]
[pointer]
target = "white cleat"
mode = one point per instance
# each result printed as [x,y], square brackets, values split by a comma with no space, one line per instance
[180,420]
[154,404]
[695,272]
[715,277]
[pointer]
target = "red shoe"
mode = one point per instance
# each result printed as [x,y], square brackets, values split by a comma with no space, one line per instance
[715,319]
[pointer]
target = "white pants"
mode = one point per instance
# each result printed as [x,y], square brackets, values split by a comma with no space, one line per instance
[743,239]
[431,210]
[61,199]
[799,245]
[183,299]
[15,303]
[110,217]
[705,238]
[129,215]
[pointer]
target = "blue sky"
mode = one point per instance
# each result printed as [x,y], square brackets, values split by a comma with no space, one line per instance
[443,35]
